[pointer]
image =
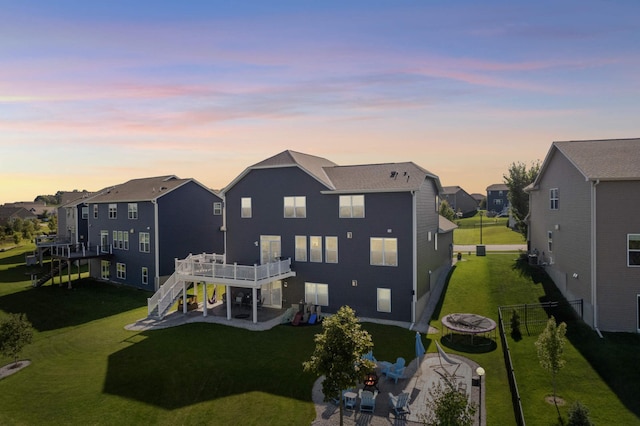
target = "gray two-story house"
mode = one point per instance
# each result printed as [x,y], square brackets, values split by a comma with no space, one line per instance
[367,236]
[583,223]
[144,225]
[460,201]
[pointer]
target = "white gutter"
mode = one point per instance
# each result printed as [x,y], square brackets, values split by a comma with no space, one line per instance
[594,292]
[414,243]
[156,243]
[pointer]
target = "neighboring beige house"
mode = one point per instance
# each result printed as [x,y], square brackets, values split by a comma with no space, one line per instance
[585,227]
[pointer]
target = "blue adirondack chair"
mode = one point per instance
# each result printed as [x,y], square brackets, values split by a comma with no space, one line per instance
[399,403]
[395,371]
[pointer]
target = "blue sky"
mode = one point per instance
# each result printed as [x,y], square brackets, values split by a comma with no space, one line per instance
[96,93]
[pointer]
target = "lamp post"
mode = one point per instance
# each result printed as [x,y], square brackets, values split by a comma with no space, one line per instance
[480,372]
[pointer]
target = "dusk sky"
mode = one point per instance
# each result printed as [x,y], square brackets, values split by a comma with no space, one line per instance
[94,93]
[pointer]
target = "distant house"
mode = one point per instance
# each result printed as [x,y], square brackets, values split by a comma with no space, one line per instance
[460,201]
[143,225]
[583,223]
[497,198]
[73,218]
[8,214]
[368,236]
[479,197]
[38,209]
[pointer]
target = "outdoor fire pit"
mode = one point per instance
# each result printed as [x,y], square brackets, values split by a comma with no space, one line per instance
[371,382]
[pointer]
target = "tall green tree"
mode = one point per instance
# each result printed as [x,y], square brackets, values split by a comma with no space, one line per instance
[446,211]
[550,346]
[15,333]
[338,354]
[518,177]
[448,407]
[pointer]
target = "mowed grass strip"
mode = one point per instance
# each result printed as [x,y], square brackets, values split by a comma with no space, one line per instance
[494,231]
[598,372]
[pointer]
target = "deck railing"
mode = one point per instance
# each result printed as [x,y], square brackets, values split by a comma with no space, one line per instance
[212,268]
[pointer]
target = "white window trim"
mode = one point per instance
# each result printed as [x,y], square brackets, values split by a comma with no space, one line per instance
[554,199]
[113,211]
[248,208]
[313,251]
[299,202]
[327,251]
[314,294]
[132,211]
[217,208]
[350,205]
[378,298]
[144,275]
[297,249]
[630,250]
[384,251]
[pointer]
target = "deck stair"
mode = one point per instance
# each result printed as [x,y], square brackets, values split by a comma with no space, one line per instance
[46,277]
[159,304]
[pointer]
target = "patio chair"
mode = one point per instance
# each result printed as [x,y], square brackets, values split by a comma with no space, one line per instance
[395,371]
[446,361]
[370,357]
[399,403]
[367,400]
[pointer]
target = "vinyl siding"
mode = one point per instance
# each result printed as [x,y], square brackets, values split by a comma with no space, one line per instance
[618,284]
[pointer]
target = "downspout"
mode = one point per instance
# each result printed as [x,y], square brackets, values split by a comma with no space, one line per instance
[594,292]
[414,243]
[156,244]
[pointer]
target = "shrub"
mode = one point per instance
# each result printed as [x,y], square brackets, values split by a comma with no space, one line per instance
[579,415]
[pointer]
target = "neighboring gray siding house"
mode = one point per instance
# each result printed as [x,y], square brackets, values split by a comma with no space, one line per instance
[460,201]
[73,218]
[367,236]
[583,223]
[145,224]
[497,198]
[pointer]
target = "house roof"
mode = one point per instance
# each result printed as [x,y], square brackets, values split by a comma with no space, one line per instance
[144,189]
[363,178]
[451,189]
[498,187]
[607,159]
[9,212]
[445,225]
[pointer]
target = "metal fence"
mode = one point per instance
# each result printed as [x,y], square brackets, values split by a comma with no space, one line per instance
[533,319]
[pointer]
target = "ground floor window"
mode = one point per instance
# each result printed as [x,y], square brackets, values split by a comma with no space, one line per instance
[316,294]
[384,300]
[105,265]
[121,271]
[145,275]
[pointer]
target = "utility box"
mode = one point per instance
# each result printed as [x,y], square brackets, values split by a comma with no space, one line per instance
[481,250]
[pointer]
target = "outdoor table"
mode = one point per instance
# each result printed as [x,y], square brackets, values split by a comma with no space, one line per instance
[467,323]
[350,399]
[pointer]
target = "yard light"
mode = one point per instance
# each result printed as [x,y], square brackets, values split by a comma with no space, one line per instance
[480,372]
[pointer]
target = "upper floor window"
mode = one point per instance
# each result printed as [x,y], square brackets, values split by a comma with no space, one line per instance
[85,212]
[351,206]
[553,199]
[384,251]
[331,249]
[95,211]
[497,201]
[217,208]
[245,207]
[295,206]
[132,210]
[145,242]
[316,249]
[633,249]
[113,211]
[301,248]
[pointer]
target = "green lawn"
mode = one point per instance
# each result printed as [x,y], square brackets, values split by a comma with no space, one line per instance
[87,369]
[494,231]
[599,372]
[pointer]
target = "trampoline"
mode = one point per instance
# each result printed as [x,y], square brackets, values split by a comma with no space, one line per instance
[470,324]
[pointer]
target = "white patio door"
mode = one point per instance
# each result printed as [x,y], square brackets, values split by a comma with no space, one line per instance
[269,248]
[272,294]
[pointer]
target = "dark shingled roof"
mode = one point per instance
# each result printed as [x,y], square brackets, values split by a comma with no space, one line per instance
[362,178]
[612,159]
[145,189]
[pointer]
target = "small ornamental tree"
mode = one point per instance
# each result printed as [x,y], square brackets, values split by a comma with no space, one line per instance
[550,345]
[15,333]
[448,407]
[338,354]
[446,211]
